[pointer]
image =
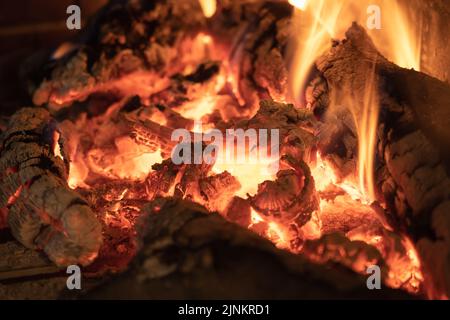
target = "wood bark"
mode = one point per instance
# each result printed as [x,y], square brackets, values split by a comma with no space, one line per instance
[188,253]
[130,38]
[412,144]
[40,208]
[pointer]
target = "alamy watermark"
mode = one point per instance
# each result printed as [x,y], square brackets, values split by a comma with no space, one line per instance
[374,17]
[74,280]
[234,146]
[73,22]
[374,280]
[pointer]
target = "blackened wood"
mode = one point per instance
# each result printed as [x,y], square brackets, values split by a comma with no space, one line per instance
[412,145]
[188,253]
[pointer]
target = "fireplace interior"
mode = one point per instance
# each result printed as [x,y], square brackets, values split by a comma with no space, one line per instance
[362,177]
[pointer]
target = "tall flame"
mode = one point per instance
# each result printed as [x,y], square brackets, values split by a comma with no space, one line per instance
[366,127]
[316,23]
[400,37]
[315,27]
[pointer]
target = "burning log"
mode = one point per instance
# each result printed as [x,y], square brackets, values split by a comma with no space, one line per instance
[199,255]
[259,49]
[41,210]
[296,127]
[146,49]
[336,247]
[412,143]
[108,54]
[289,200]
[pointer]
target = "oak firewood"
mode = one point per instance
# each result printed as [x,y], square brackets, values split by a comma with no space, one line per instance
[42,211]
[412,145]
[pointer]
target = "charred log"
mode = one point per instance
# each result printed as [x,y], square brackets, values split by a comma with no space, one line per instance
[200,255]
[131,46]
[41,210]
[412,170]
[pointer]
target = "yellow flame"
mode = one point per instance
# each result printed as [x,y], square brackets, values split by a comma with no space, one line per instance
[316,23]
[314,27]
[274,232]
[367,126]
[299,4]
[256,170]
[324,176]
[399,39]
[209,7]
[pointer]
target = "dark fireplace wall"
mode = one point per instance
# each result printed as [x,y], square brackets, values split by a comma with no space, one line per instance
[27,26]
[435,37]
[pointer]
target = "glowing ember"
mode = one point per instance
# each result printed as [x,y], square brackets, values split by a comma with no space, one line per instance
[325,176]
[299,4]
[272,231]
[133,161]
[57,147]
[405,269]
[249,175]
[62,50]
[208,7]
[100,148]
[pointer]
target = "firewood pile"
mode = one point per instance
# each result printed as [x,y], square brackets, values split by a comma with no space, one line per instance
[87,175]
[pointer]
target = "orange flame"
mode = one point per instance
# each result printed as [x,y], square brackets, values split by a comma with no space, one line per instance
[316,23]
[274,232]
[315,26]
[322,20]
[366,124]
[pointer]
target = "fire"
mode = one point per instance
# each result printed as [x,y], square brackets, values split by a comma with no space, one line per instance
[209,7]
[323,20]
[78,173]
[315,26]
[56,146]
[116,156]
[272,231]
[249,175]
[316,23]
[367,127]
[197,109]
[365,116]
[324,176]
[405,269]
[402,46]
[133,161]
[299,4]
